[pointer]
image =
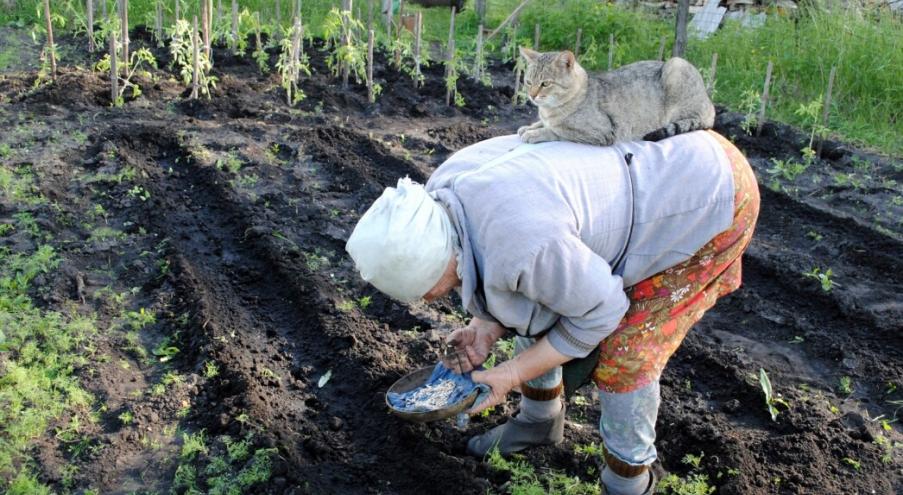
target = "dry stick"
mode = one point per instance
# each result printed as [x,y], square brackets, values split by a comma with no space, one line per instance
[103,8]
[234,25]
[611,50]
[826,106]
[680,29]
[208,45]
[371,96]
[89,10]
[710,86]
[536,37]
[278,14]
[219,11]
[195,64]
[480,8]
[124,14]
[577,43]
[114,74]
[478,66]
[517,78]
[369,15]
[50,48]
[764,101]
[346,38]
[511,17]
[177,10]
[297,41]
[158,23]
[418,31]
[204,16]
[398,32]
[661,48]
[450,55]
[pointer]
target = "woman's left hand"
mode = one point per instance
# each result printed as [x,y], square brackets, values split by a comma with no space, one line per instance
[501,380]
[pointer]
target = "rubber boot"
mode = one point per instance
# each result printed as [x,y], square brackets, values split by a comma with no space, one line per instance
[618,478]
[518,434]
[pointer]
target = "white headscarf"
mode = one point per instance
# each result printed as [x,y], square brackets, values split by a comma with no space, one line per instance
[403,242]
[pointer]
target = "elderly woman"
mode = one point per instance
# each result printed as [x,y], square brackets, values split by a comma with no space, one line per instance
[597,258]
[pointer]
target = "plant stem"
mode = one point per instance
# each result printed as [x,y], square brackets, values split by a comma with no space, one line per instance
[51,49]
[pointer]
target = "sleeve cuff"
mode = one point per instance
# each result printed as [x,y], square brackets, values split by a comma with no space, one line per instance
[564,341]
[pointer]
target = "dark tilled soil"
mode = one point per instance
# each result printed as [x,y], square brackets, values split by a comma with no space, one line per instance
[234,213]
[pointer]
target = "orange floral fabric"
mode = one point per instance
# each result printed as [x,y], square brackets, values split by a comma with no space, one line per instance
[665,306]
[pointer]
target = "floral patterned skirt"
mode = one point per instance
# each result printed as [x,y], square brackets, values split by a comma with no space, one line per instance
[664,306]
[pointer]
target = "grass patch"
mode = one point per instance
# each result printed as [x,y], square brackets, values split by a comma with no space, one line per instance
[39,351]
[235,468]
[526,481]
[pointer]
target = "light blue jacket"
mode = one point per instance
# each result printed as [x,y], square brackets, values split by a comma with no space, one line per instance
[552,233]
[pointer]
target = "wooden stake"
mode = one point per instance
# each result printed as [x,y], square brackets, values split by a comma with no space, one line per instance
[764,101]
[680,28]
[450,54]
[399,29]
[103,9]
[509,19]
[710,86]
[234,25]
[89,11]
[517,77]
[204,15]
[51,49]
[124,14]
[257,42]
[209,27]
[369,15]
[661,48]
[158,24]
[297,41]
[371,96]
[346,38]
[195,59]
[826,106]
[577,43]
[219,11]
[278,13]
[114,73]
[536,37]
[480,9]
[418,32]
[178,16]
[611,50]
[478,65]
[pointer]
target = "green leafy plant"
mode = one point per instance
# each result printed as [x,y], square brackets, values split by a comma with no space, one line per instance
[138,60]
[454,67]
[193,444]
[694,483]
[788,170]
[211,370]
[771,399]
[748,106]
[810,112]
[181,51]
[126,417]
[292,62]
[823,277]
[348,52]
[845,385]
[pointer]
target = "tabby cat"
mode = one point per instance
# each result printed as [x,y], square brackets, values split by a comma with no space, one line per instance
[648,100]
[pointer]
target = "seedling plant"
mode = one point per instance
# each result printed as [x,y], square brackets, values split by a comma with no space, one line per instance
[771,400]
[180,49]
[823,277]
[292,62]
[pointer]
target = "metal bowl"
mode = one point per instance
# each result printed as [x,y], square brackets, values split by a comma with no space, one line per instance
[416,379]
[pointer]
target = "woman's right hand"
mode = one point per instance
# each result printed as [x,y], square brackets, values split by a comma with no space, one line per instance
[469,347]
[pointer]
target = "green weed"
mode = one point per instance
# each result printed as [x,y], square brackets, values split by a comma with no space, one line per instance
[525,480]
[771,399]
[824,278]
[845,385]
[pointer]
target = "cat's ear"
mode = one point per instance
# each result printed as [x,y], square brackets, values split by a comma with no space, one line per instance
[567,59]
[530,55]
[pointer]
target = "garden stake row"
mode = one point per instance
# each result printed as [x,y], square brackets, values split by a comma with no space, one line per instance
[764,101]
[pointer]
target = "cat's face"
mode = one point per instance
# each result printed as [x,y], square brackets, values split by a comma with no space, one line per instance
[550,77]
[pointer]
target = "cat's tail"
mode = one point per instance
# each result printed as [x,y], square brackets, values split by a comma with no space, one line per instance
[679,127]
